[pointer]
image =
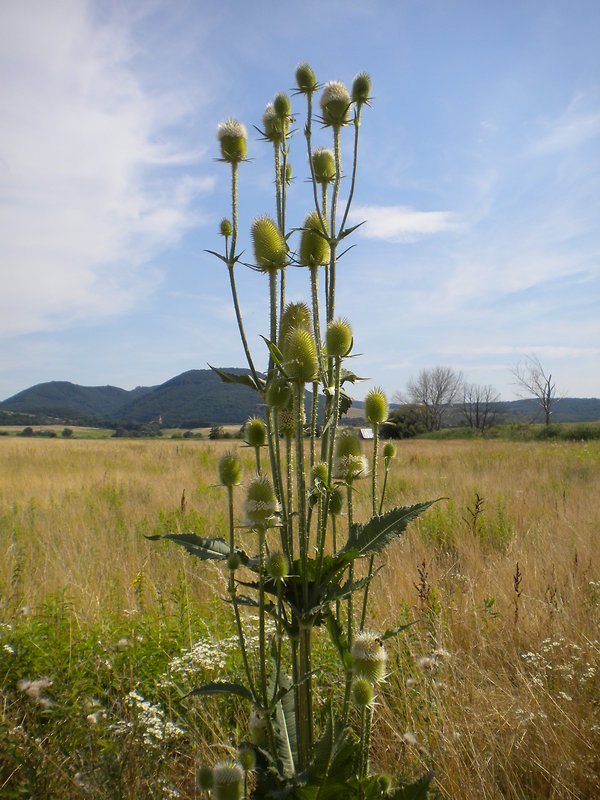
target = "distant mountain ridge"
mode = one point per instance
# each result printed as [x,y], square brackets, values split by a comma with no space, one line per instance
[199,397]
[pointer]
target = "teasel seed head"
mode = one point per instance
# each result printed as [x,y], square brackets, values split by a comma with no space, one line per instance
[270,250]
[206,778]
[338,338]
[305,79]
[323,162]
[319,472]
[225,228]
[389,451]
[314,248]
[361,88]
[277,566]
[362,692]
[255,433]
[272,125]
[282,106]
[285,418]
[228,780]
[233,138]
[279,392]
[230,469]
[335,103]
[288,173]
[349,462]
[369,654]
[336,501]
[247,758]
[300,355]
[376,407]
[234,561]
[260,504]
[295,315]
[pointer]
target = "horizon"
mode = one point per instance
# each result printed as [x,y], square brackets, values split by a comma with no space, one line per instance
[479,180]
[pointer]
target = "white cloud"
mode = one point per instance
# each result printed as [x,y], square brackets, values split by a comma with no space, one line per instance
[91,187]
[574,128]
[401,223]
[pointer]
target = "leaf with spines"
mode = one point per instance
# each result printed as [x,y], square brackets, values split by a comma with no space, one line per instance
[382,529]
[245,379]
[206,549]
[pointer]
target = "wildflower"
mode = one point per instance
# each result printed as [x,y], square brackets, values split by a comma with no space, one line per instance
[323,163]
[335,103]
[426,663]
[278,393]
[376,408]
[233,138]
[409,739]
[206,778]
[277,566]
[270,249]
[338,338]
[225,228]
[300,355]
[123,643]
[305,79]
[389,451]
[230,469]
[349,462]
[361,88]
[272,124]
[362,692]
[314,247]
[260,505]
[282,106]
[228,780]
[247,758]
[295,315]
[255,432]
[369,656]
[336,501]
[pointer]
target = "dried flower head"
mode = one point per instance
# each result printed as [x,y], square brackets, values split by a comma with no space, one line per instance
[314,247]
[335,103]
[370,656]
[233,138]
[376,407]
[270,249]
[230,469]
[261,504]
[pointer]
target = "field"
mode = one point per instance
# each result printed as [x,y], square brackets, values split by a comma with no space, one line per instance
[495,685]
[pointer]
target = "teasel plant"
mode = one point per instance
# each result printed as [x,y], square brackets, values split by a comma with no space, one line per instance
[304,574]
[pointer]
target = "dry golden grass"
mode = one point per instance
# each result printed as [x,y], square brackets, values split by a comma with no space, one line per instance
[506,703]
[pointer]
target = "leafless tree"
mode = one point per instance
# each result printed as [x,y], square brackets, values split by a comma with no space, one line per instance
[434,389]
[480,405]
[533,379]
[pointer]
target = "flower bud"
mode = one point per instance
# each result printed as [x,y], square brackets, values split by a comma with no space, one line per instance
[305,79]
[230,469]
[233,561]
[362,692]
[255,433]
[247,758]
[272,125]
[336,501]
[314,247]
[335,103]
[376,408]
[389,451]
[206,778]
[228,780]
[295,315]
[260,504]
[369,656]
[225,229]
[300,356]
[279,393]
[319,472]
[349,462]
[288,173]
[282,105]
[270,250]
[338,338]
[277,566]
[323,162]
[233,138]
[258,728]
[361,88]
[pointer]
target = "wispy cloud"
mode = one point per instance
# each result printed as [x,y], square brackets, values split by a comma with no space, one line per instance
[92,187]
[402,223]
[572,129]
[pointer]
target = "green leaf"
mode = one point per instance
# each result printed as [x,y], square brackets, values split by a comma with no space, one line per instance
[245,379]
[339,639]
[218,255]
[203,548]
[222,687]
[276,353]
[414,791]
[285,722]
[391,632]
[381,529]
[348,231]
[349,377]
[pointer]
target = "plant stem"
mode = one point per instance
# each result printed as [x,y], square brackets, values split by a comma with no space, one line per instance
[375,467]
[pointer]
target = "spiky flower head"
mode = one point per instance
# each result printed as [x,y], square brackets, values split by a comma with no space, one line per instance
[314,247]
[233,138]
[277,566]
[228,780]
[272,124]
[247,758]
[255,432]
[260,504]
[369,654]
[279,393]
[389,451]
[225,228]
[258,728]
[336,502]
[282,105]
[300,355]
[319,472]
[349,462]
[305,78]
[286,421]
[234,561]
[376,407]
[288,173]
[338,338]
[206,778]
[335,103]
[361,88]
[295,315]
[362,692]
[323,162]
[230,469]
[270,250]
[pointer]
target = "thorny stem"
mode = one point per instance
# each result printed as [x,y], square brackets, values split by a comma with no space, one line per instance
[350,605]
[332,231]
[354,165]
[366,726]
[374,508]
[262,637]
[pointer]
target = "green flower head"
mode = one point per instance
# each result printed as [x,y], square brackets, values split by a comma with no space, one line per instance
[230,469]
[295,315]
[277,566]
[323,162]
[349,462]
[225,228]
[335,103]
[389,451]
[305,79]
[261,504]
[233,138]
[361,88]
[270,250]
[255,432]
[314,247]
[362,692]
[272,125]
[376,407]
[228,780]
[338,338]
[369,654]
[300,355]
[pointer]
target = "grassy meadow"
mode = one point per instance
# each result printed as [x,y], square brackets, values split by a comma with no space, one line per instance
[495,685]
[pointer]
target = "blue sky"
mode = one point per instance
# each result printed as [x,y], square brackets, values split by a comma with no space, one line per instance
[479,178]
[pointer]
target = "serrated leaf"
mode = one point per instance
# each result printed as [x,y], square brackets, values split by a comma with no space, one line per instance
[245,379]
[381,529]
[222,687]
[203,548]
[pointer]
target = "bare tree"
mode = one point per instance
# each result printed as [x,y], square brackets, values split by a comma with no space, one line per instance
[480,405]
[533,380]
[434,389]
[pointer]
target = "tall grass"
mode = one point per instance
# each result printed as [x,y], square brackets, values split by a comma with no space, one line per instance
[495,684]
